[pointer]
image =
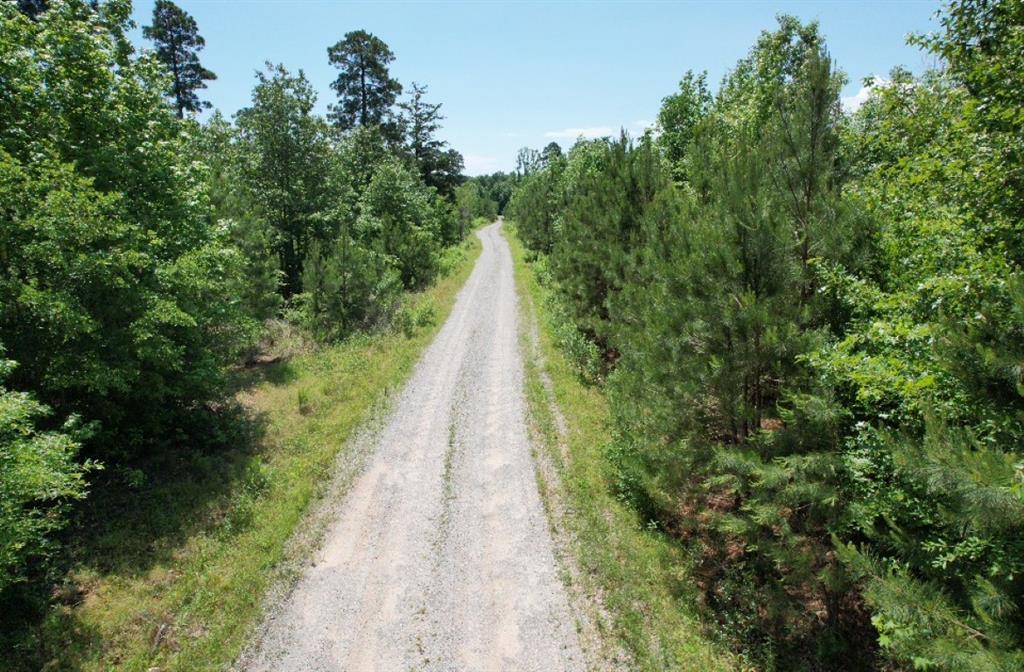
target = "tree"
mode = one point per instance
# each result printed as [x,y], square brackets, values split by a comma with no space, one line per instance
[421,122]
[399,217]
[527,162]
[536,206]
[679,116]
[366,91]
[114,293]
[601,229]
[234,207]
[497,187]
[552,152]
[286,162]
[33,8]
[348,285]
[931,367]
[178,44]
[439,166]
[472,203]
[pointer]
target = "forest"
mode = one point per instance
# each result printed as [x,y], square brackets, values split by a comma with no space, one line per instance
[809,325]
[145,257]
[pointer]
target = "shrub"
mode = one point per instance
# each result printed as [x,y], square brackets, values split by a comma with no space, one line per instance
[39,475]
[347,287]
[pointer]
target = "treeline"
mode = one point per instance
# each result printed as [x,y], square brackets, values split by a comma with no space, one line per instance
[141,252]
[485,196]
[810,327]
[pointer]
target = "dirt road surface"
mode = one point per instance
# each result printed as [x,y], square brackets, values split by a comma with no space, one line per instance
[439,557]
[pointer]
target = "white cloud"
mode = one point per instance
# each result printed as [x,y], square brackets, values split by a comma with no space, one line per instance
[573,133]
[643,124]
[476,164]
[852,103]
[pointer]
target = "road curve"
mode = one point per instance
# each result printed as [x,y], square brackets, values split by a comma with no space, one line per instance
[440,557]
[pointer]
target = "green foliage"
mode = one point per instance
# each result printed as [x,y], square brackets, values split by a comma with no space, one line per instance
[607,187]
[471,203]
[496,187]
[233,206]
[535,205]
[338,223]
[680,115]
[933,356]
[286,160]
[399,217]
[178,43]
[347,287]
[38,477]
[581,352]
[816,334]
[439,166]
[139,254]
[365,89]
[724,429]
[114,284]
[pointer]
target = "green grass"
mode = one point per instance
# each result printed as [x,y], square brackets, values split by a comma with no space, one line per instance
[173,575]
[639,574]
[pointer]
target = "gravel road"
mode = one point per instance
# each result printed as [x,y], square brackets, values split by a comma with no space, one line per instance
[439,557]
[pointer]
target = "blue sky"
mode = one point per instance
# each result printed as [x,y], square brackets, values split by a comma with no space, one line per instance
[513,74]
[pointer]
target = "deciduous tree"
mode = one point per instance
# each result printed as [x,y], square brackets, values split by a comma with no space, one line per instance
[286,162]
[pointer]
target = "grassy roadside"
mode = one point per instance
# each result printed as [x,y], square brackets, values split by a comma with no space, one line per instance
[639,575]
[176,578]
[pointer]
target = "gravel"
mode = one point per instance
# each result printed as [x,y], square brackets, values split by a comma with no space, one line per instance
[439,557]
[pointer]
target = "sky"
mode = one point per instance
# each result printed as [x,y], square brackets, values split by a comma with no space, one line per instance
[515,74]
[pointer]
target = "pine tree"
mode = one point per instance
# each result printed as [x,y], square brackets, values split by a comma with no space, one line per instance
[366,91]
[439,166]
[725,434]
[178,44]
[600,230]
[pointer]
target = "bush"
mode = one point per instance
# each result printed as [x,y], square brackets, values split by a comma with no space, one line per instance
[348,287]
[398,217]
[39,475]
[413,317]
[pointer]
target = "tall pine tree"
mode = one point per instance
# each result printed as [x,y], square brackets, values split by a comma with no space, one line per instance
[178,43]
[439,166]
[364,86]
